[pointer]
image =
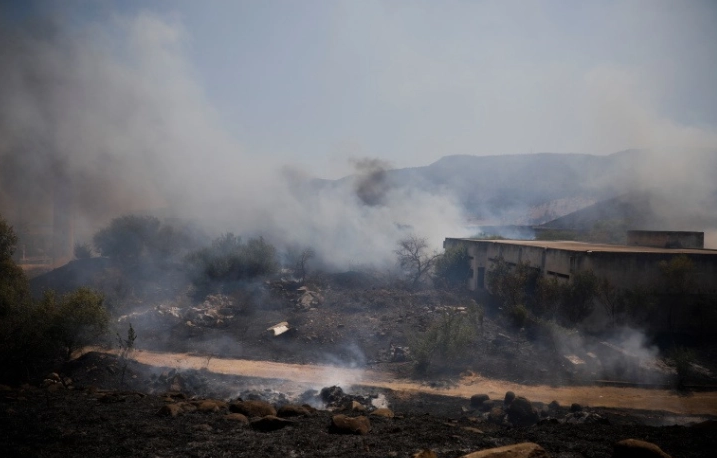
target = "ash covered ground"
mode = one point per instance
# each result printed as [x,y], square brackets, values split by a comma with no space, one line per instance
[97,405]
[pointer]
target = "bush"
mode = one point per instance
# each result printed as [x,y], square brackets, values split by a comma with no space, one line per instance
[132,237]
[577,303]
[452,268]
[127,237]
[83,251]
[447,337]
[512,285]
[8,239]
[228,260]
[78,319]
[681,359]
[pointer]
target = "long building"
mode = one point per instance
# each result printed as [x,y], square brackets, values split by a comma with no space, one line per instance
[624,266]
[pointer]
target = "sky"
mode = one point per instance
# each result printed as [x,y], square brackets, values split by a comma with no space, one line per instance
[315,84]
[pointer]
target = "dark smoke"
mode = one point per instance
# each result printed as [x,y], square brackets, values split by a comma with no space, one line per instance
[371,180]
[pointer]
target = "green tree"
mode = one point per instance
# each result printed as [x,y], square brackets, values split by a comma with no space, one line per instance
[452,268]
[8,240]
[512,284]
[77,319]
[677,274]
[228,260]
[127,237]
[578,295]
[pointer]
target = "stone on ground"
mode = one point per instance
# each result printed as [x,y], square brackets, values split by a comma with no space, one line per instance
[383,412]
[524,450]
[342,424]
[477,400]
[270,423]
[522,413]
[253,408]
[634,448]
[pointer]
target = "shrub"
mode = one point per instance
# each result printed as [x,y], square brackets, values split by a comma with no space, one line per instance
[131,237]
[83,251]
[452,268]
[8,239]
[681,359]
[518,315]
[127,237]
[415,259]
[77,319]
[228,260]
[577,303]
[447,337]
[126,351]
[512,285]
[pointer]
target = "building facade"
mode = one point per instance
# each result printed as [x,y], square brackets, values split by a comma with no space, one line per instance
[623,266]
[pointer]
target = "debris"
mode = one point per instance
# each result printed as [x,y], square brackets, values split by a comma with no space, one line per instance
[279,328]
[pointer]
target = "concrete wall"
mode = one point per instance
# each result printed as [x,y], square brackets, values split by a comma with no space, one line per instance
[624,269]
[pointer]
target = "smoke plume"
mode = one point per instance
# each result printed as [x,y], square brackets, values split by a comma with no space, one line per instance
[115,113]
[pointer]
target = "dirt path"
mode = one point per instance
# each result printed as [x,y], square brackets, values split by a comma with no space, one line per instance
[319,376]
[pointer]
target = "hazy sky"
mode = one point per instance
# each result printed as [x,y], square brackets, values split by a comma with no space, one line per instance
[315,83]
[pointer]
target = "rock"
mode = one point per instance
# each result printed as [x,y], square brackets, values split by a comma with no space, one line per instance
[292,410]
[522,413]
[496,415]
[55,387]
[202,427]
[253,408]
[524,450]
[585,418]
[487,406]
[575,407]
[425,453]
[509,397]
[342,424]
[170,410]
[208,406]
[477,400]
[357,406]
[270,423]
[554,406]
[634,448]
[236,417]
[383,412]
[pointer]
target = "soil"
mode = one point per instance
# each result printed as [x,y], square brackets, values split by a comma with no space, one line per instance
[84,420]
[352,331]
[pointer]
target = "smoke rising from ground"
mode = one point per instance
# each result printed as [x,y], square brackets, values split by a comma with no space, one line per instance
[115,113]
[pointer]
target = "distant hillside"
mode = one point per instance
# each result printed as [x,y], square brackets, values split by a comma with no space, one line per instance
[531,189]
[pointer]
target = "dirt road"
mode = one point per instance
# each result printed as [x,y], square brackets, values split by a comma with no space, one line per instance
[318,376]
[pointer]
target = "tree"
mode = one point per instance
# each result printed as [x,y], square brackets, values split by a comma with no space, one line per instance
[512,285]
[8,240]
[83,251]
[452,268]
[14,286]
[415,259]
[77,319]
[298,259]
[228,260]
[127,237]
[612,299]
[676,274]
[578,297]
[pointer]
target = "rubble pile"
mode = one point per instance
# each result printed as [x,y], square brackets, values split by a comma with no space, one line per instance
[217,310]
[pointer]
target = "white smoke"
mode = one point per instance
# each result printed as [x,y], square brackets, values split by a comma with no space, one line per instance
[118,111]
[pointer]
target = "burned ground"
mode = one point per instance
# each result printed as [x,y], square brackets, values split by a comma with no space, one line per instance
[349,320]
[80,419]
